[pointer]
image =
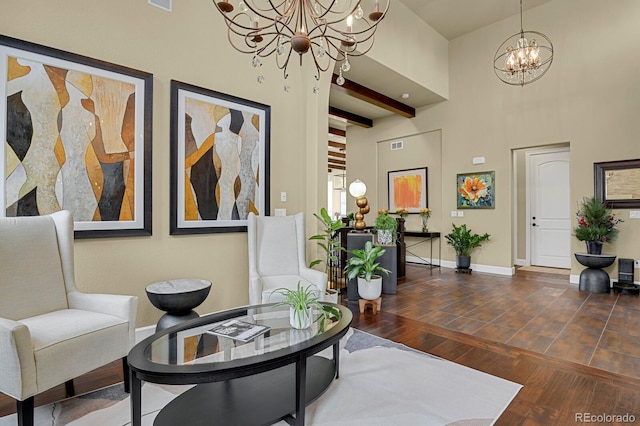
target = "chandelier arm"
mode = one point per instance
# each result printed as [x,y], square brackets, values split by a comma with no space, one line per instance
[342,16]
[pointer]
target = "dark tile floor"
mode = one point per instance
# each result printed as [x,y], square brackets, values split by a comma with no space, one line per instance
[540,312]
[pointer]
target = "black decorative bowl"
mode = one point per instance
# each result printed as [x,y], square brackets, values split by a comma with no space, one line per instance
[596,261]
[178,296]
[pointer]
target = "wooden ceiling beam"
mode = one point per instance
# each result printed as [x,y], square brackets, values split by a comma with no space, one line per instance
[337,154]
[336,161]
[337,132]
[339,145]
[350,117]
[336,167]
[365,94]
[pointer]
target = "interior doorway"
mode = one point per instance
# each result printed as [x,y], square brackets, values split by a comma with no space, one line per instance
[543,221]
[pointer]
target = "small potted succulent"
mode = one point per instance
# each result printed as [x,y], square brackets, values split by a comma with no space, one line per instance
[302,302]
[363,265]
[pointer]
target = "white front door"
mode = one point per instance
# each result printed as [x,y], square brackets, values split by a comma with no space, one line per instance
[549,208]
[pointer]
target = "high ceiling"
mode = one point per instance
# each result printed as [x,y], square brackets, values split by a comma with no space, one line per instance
[451,18]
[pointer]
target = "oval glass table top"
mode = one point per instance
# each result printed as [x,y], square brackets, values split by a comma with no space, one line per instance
[224,340]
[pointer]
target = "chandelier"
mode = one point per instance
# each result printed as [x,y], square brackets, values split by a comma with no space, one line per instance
[521,59]
[325,29]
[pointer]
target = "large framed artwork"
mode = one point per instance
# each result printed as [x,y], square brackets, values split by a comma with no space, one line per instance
[476,190]
[219,160]
[77,137]
[408,190]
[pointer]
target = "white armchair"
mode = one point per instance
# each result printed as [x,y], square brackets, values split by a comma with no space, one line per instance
[277,257]
[49,331]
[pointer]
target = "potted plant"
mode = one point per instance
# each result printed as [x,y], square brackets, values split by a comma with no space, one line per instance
[386,227]
[302,302]
[463,242]
[330,243]
[363,265]
[596,224]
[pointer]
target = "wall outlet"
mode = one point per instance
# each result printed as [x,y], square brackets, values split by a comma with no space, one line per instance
[636,264]
[283,197]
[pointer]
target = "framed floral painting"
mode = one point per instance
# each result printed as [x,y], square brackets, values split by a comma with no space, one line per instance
[476,190]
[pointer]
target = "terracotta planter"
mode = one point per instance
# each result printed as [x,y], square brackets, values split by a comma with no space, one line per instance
[370,290]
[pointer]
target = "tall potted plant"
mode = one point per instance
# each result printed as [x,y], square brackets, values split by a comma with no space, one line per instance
[463,242]
[330,243]
[386,227]
[363,265]
[596,224]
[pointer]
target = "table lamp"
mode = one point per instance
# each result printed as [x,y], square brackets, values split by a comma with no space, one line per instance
[358,189]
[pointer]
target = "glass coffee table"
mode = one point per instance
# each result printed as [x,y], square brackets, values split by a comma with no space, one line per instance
[239,380]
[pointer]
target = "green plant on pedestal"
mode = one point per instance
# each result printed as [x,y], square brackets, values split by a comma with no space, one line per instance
[596,224]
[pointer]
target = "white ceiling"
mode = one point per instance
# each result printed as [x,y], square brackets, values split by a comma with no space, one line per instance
[451,18]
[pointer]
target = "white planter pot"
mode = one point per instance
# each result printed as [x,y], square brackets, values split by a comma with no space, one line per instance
[300,319]
[330,296]
[370,290]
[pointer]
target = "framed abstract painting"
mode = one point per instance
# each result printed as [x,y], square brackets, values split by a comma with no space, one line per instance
[408,190]
[476,190]
[219,160]
[77,137]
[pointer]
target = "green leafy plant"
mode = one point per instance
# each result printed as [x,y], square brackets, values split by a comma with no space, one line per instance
[363,262]
[328,240]
[596,222]
[303,298]
[463,241]
[384,222]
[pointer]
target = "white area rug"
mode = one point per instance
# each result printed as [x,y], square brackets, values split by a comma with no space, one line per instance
[381,383]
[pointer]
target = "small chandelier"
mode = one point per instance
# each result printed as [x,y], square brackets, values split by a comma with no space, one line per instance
[327,29]
[525,63]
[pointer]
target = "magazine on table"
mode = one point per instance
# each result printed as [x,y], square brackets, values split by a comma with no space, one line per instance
[239,330]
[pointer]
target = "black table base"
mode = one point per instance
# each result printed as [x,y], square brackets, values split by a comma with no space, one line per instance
[264,398]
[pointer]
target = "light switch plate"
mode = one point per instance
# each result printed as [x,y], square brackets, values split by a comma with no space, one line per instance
[281,212]
[283,197]
[634,214]
[454,213]
[460,213]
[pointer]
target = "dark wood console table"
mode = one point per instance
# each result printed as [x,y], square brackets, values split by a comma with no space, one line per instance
[425,237]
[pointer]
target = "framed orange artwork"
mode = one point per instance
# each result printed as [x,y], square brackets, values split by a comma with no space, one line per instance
[408,190]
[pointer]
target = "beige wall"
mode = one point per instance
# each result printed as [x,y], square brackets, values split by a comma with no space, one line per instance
[589,98]
[188,45]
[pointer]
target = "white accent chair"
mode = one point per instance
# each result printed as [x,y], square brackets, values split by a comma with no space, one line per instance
[50,332]
[277,257]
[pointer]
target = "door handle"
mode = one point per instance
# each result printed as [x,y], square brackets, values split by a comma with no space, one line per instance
[533,224]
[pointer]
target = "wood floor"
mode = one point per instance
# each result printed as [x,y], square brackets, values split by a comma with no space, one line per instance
[532,328]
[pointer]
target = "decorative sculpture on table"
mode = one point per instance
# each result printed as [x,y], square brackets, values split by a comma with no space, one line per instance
[358,189]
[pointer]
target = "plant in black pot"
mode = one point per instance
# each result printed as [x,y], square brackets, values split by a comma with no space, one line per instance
[463,242]
[596,224]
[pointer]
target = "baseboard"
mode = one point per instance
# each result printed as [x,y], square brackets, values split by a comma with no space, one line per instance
[521,262]
[144,332]
[489,269]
